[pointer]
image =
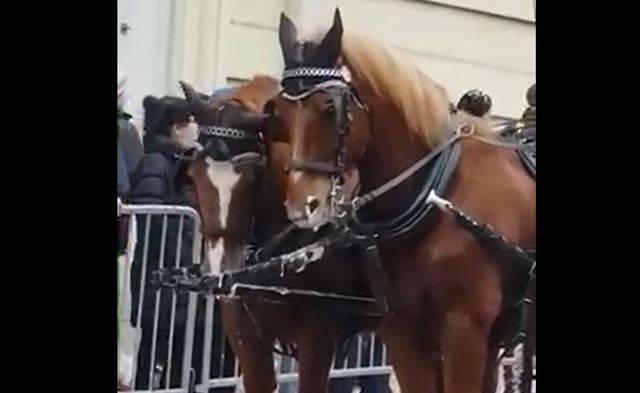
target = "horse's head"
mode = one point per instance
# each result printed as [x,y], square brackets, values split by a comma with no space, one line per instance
[226,172]
[324,122]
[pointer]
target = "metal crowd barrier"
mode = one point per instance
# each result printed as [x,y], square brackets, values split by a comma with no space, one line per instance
[206,361]
[368,359]
[155,221]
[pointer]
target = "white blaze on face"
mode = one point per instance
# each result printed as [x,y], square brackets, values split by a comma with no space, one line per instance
[224,178]
[215,252]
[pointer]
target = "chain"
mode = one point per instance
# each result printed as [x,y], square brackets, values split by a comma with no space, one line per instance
[225,132]
[191,278]
[312,72]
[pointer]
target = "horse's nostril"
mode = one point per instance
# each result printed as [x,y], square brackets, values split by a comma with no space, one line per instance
[312,205]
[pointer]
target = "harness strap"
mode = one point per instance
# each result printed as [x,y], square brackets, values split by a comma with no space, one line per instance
[324,86]
[317,167]
[404,175]
[376,276]
[497,143]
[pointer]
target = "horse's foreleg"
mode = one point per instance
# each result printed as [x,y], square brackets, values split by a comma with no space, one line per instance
[253,351]
[491,373]
[414,363]
[465,353]
[315,351]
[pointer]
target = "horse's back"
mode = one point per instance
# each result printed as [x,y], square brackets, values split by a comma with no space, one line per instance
[493,184]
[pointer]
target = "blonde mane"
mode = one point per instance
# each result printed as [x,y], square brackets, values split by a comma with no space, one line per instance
[423,104]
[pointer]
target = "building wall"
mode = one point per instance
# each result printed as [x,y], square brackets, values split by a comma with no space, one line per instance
[462,44]
[143,50]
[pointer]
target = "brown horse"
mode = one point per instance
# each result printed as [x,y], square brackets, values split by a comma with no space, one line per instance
[349,105]
[240,198]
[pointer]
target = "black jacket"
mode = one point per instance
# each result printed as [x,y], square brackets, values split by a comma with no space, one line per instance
[153,182]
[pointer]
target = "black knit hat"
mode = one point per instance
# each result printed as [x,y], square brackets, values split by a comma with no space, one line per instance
[161,113]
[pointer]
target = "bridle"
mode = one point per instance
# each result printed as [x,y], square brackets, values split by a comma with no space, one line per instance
[212,142]
[333,83]
[337,86]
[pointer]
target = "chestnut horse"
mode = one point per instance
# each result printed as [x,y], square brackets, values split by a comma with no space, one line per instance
[348,105]
[240,199]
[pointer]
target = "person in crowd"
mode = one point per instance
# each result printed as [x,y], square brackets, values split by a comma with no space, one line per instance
[123,171]
[170,133]
[529,115]
[169,130]
[528,132]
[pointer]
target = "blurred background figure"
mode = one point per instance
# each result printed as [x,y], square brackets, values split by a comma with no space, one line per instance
[222,92]
[529,115]
[129,138]
[476,103]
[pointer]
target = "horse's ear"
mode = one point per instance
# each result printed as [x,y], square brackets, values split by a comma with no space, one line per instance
[192,96]
[288,34]
[329,48]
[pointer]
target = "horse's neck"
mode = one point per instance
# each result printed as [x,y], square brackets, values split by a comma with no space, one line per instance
[392,149]
[270,216]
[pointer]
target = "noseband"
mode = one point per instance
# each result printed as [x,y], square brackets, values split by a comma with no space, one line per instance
[342,95]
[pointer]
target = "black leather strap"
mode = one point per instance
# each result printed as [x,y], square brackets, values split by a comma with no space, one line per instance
[437,178]
[314,167]
[528,158]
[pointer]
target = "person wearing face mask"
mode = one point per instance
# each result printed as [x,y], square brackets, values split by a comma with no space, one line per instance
[169,133]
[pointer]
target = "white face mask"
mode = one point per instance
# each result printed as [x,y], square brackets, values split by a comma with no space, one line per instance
[185,135]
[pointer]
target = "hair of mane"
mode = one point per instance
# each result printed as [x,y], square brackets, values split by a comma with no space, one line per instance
[422,103]
[256,93]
